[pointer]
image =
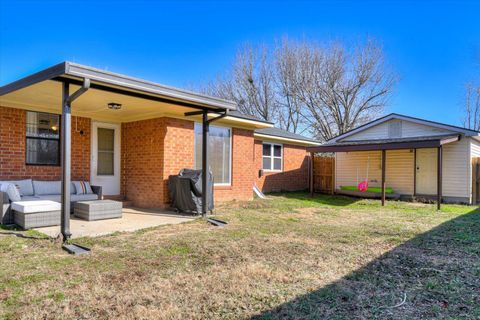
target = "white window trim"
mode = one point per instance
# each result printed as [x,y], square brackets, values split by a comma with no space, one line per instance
[272,157]
[217,184]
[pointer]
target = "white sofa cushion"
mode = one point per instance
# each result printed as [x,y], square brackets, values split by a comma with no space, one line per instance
[47,187]
[36,206]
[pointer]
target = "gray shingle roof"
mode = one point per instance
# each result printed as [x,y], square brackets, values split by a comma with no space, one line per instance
[276,132]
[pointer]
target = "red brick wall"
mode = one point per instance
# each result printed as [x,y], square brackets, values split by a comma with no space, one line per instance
[152,150]
[142,162]
[295,170]
[12,149]
[179,149]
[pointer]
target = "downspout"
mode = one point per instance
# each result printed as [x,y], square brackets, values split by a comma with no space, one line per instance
[66,143]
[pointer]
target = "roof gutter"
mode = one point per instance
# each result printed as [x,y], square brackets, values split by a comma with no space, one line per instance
[40,76]
[385,146]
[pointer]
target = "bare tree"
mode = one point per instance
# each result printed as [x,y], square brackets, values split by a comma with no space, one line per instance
[301,86]
[250,83]
[342,89]
[472,107]
[287,66]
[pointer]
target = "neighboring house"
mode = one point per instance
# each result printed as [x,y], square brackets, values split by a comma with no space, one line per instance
[129,135]
[414,150]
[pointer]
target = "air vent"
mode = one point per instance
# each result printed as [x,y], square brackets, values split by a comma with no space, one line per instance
[395,129]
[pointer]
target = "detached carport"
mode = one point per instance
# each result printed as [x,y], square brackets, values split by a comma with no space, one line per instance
[389,144]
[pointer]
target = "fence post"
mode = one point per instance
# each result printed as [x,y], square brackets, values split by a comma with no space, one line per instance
[312,158]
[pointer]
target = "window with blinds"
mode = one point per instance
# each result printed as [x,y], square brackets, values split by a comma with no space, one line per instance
[42,138]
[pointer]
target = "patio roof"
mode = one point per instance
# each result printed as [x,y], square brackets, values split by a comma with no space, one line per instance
[387,144]
[140,99]
[118,83]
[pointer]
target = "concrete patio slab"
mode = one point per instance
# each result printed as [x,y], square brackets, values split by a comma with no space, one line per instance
[133,219]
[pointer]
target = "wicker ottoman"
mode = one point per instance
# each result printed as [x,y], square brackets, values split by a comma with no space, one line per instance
[98,209]
[35,214]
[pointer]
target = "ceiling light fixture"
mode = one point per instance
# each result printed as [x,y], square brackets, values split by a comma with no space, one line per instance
[114,106]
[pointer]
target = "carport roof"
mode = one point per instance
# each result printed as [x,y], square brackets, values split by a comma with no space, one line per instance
[387,144]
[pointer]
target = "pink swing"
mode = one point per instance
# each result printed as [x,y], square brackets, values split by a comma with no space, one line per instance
[363,186]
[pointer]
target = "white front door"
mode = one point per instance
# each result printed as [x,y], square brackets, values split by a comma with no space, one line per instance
[105,157]
[426,167]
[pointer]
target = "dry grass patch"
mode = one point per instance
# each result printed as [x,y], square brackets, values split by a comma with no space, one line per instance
[288,257]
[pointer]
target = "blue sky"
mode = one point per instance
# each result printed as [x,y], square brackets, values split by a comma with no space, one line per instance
[433,46]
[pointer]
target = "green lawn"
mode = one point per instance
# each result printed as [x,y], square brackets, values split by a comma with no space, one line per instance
[288,257]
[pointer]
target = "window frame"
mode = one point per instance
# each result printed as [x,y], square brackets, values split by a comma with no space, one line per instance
[272,156]
[102,151]
[230,162]
[59,139]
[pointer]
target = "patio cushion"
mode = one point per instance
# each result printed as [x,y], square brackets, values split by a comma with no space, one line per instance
[47,187]
[11,190]
[83,197]
[25,186]
[36,206]
[82,187]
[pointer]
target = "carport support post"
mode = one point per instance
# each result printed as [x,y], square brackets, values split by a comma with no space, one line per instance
[439,177]
[66,140]
[383,176]
[205,132]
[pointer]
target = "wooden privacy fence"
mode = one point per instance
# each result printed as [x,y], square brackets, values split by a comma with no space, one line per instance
[323,174]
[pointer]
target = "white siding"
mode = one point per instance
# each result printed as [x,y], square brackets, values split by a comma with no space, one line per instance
[475,147]
[380,131]
[409,129]
[399,173]
[474,153]
[349,164]
[456,169]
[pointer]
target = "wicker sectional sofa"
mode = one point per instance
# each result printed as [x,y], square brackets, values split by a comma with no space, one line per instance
[34,190]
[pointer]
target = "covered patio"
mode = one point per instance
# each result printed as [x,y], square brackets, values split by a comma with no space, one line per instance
[384,146]
[81,91]
[133,219]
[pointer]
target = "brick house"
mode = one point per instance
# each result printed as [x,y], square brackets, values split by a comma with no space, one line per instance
[129,135]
